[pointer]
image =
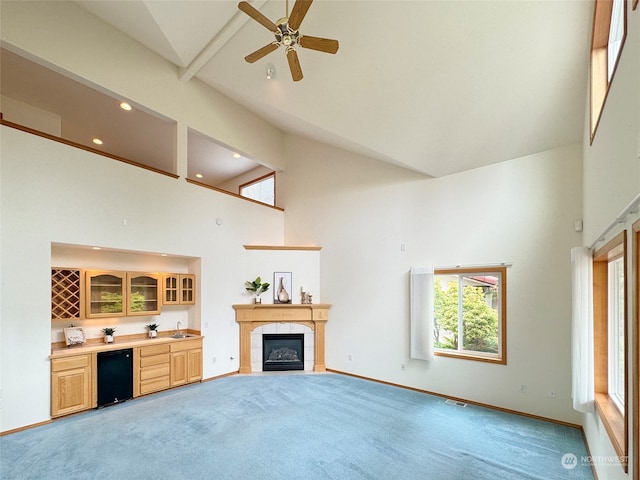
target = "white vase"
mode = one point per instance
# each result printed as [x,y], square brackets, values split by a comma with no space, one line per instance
[153,333]
[283,295]
[108,339]
[257,300]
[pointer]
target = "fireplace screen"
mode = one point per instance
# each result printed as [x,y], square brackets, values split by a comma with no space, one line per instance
[282,352]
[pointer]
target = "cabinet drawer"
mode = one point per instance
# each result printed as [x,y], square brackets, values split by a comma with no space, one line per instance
[154,360]
[155,350]
[154,385]
[186,345]
[154,371]
[59,364]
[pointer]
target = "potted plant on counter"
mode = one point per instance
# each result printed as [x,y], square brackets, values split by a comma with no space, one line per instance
[153,330]
[108,334]
[257,287]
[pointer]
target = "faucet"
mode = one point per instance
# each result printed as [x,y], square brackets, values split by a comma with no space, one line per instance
[178,327]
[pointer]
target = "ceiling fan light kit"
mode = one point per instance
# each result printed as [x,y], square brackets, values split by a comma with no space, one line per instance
[287,35]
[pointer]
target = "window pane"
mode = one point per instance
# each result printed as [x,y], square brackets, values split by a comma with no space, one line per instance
[616,34]
[262,190]
[480,313]
[616,332]
[445,312]
[475,313]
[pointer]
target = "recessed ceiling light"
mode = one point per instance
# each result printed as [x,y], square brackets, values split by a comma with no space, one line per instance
[236,155]
[97,248]
[125,106]
[199,175]
[97,141]
[163,254]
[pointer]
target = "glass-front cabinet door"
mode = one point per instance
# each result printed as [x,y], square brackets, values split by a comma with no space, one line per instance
[170,289]
[178,289]
[105,291]
[144,293]
[187,289]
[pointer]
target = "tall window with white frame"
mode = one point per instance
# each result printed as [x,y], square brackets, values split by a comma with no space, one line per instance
[610,341]
[470,313]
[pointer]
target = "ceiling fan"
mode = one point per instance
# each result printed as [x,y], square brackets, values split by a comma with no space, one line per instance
[288,36]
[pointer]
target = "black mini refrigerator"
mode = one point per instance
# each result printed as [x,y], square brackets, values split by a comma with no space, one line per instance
[115,376]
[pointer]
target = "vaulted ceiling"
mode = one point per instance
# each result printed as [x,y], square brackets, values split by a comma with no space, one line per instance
[436,86]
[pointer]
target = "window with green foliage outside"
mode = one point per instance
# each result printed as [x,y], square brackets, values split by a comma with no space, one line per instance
[469,313]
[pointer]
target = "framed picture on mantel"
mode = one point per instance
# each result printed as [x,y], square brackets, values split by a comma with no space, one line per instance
[282,287]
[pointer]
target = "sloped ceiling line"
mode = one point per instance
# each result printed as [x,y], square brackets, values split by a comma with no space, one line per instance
[216,43]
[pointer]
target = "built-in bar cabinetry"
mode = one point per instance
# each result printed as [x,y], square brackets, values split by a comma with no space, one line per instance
[77,294]
[158,364]
[154,368]
[143,293]
[73,384]
[106,293]
[66,294]
[178,289]
[186,362]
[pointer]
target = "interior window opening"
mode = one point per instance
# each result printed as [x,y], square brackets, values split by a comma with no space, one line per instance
[261,189]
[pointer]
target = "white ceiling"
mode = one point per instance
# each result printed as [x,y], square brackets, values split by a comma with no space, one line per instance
[436,86]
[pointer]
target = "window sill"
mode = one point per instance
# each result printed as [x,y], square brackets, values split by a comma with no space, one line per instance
[470,356]
[614,424]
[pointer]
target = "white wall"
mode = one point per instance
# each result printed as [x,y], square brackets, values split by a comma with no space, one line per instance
[23,114]
[611,181]
[521,211]
[304,266]
[53,193]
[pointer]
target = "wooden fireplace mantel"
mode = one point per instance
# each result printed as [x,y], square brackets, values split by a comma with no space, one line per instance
[251,316]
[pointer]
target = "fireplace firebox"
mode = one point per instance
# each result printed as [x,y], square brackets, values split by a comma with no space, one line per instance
[282,351]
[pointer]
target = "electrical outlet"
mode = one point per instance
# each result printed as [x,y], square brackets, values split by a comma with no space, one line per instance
[350,357]
[552,393]
[213,360]
[402,366]
[523,389]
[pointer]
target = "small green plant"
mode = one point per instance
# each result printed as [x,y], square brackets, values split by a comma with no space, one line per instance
[108,330]
[257,287]
[153,326]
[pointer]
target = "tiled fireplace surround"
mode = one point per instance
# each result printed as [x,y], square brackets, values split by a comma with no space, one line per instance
[255,320]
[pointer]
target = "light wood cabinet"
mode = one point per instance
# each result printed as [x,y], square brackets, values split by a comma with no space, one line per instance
[162,364]
[66,294]
[72,384]
[116,294]
[106,295]
[143,293]
[155,368]
[178,289]
[186,362]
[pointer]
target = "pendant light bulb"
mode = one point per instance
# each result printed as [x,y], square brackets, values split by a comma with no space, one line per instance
[270,71]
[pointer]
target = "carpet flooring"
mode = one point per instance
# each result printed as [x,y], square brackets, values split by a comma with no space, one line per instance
[308,426]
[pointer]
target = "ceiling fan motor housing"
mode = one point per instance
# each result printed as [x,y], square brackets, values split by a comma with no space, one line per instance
[285,35]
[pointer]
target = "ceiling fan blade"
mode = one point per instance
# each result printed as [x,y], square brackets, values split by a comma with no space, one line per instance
[294,65]
[297,14]
[320,44]
[247,8]
[261,52]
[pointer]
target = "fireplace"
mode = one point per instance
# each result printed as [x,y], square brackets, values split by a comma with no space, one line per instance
[282,351]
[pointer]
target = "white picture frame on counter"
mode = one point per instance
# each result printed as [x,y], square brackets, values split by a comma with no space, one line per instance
[74,336]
